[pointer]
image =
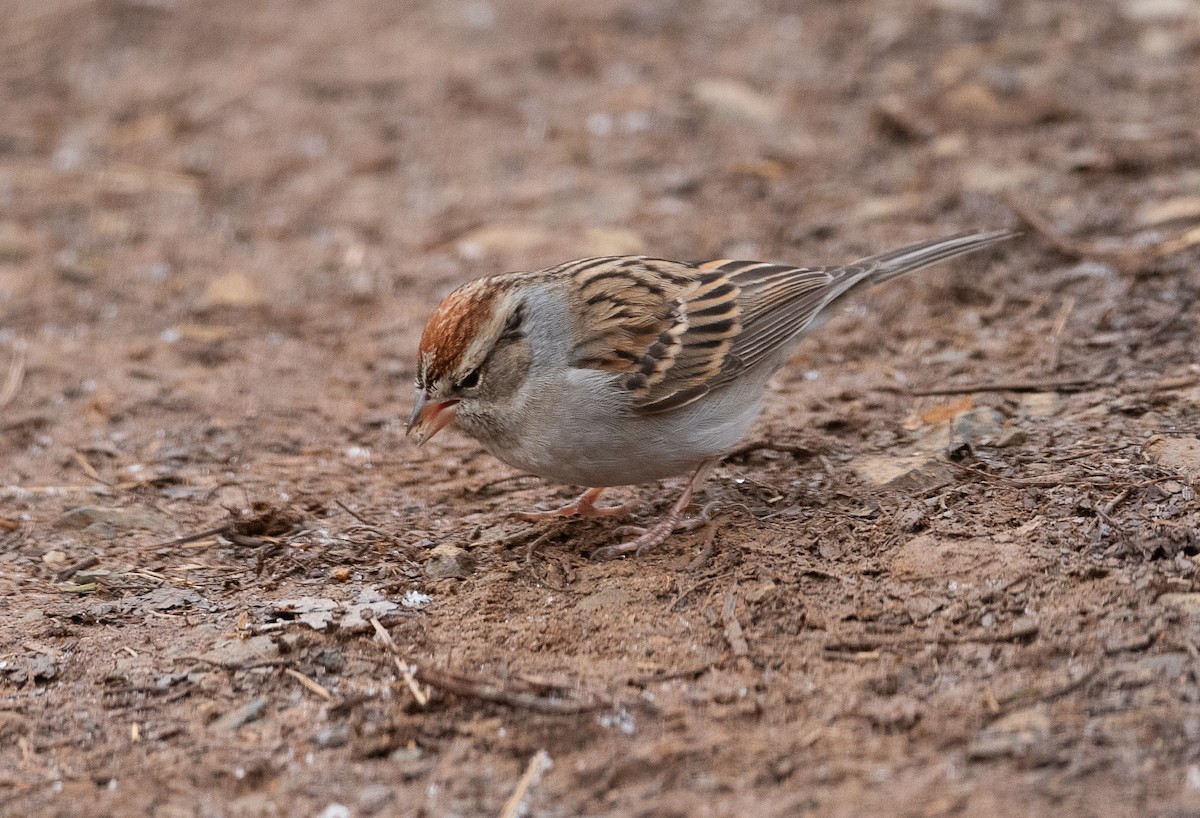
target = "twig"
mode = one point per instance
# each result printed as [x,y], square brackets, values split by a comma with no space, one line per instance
[1188,240]
[16,375]
[200,535]
[406,673]
[710,546]
[1056,334]
[1041,225]
[1018,633]
[319,689]
[356,515]
[669,675]
[1053,480]
[490,691]
[487,488]
[1160,331]
[1116,501]
[235,666]
[1129,258]
[538,764]
[733,628]
[75,568]
[25,493]
[1023,699]
[1071,385]
[799,452]
[88,468]
[686,592]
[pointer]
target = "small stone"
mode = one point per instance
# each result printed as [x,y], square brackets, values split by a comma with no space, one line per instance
[894,713]
[101,530]
[340,574]
[736,100]
[236,718]
[12,724]
[235,652]
[611,241]
[1011,736]
[911,472]
[501,239]
[16,243]
[446,561]
[1011,436]
[984,178]
[978,427]
[54,558]
[333,735]
[121,519]
[1161,9]
[974,104]
[374,797]
[1179,208]
[1039,404]
[231,290]
[1188,603]
[41,669]
[1182,453]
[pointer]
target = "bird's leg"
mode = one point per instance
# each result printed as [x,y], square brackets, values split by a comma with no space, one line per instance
[582,506]
[655,535]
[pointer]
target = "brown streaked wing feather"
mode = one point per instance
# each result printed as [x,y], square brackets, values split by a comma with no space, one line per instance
[776,301]
[664,326]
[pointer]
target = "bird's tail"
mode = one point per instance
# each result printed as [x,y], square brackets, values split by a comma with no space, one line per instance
[885,266]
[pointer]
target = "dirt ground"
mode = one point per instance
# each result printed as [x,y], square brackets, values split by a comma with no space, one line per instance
[953,571]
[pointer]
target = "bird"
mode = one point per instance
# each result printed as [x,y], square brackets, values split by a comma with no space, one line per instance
[620,370]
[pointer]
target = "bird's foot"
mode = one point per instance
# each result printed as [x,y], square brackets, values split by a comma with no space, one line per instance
[648,538]
[582,506]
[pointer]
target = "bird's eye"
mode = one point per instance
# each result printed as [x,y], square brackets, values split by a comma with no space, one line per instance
[512,327]
[470,380]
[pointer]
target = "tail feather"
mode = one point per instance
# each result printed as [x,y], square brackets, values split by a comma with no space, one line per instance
[915,256]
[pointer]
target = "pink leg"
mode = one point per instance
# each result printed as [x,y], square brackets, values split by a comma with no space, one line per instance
[582,506]
[658,533]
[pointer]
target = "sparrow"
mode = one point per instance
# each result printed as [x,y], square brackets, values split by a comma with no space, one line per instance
[619,370]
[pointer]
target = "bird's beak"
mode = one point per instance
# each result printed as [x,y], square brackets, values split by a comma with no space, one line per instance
[428,418]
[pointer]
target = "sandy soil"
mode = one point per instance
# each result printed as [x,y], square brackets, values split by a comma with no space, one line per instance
[953,572]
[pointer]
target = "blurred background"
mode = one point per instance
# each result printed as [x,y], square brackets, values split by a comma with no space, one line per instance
[327,149]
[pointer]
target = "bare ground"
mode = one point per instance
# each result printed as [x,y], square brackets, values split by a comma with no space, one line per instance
[222,225]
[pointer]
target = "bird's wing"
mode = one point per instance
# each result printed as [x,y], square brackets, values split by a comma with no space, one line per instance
[664,327]
[778,303]
[674,331]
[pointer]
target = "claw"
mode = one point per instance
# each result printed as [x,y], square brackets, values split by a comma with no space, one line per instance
[655,535]
[582,506]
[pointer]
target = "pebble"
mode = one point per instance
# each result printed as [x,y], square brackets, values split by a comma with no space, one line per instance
[242,651]
[245,714]
[737,100]
[16,243]
[446,561]
[1188,603]
[1014,735]
[231,290]
[912,472]
[119,519]
[1182,453]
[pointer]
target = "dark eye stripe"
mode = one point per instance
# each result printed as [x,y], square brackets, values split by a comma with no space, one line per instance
[471,379]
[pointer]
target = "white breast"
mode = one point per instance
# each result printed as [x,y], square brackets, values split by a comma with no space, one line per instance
[582,432]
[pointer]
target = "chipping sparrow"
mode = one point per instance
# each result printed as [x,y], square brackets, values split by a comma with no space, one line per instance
[626,369]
